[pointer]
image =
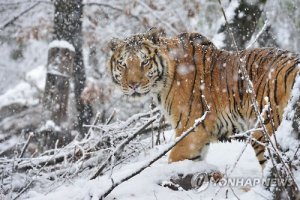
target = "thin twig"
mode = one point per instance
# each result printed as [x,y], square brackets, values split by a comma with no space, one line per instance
[18,16]
[96,121]
[113,8]
[105,5]
[121,146]
[157,157]
[26,145]
[295,155]
[266,24]
[159,19]
[246,133]
[236,196]
[25,2]
[229,28]
[32,180]
[111,117]
[93,124]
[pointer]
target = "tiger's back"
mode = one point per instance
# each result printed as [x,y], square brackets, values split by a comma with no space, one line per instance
[205,70]
[191,74]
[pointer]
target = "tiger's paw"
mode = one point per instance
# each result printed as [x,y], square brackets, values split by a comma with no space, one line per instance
[179,153]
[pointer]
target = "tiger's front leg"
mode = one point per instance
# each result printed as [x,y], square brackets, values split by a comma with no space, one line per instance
[194,146]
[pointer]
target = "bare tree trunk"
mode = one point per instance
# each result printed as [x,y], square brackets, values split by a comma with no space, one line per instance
[67,26]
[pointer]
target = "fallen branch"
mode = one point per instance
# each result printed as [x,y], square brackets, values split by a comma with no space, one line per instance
[88,153]
[149,163]
[88,144]
[121,146]
[24,189]
[128,122]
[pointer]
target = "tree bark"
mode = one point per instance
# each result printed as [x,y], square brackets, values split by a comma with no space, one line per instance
[73,23]
[56,95]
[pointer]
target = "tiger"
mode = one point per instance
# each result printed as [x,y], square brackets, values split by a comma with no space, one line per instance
[186,74]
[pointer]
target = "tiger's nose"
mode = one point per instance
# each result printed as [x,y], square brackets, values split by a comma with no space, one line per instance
[134,85]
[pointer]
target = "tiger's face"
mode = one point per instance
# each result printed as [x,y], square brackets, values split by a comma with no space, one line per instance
[137,66]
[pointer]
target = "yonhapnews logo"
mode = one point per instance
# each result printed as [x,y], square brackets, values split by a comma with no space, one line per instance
[201,181]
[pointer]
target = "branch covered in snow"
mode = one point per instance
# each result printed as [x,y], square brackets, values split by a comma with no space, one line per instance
[157,157]
[122,145]
[79,155]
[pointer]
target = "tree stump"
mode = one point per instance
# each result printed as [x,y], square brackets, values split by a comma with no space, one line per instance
[56,95]
[59,69]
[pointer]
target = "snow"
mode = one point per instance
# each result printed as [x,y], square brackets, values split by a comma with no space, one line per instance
[146,185]
[61,44]
[184,69]
[284,134]
[27,91]
[285,14]
[230,10]
[13,71]
[50,125]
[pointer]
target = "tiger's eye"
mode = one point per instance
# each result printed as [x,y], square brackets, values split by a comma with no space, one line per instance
[145,62]
[120,63]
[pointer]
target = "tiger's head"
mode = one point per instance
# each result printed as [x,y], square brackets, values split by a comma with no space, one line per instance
[137,64]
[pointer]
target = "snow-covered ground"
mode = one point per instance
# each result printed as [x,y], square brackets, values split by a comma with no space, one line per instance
[145,186]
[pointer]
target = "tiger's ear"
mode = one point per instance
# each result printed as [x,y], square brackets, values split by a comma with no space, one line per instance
[115,43]
[154,34]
